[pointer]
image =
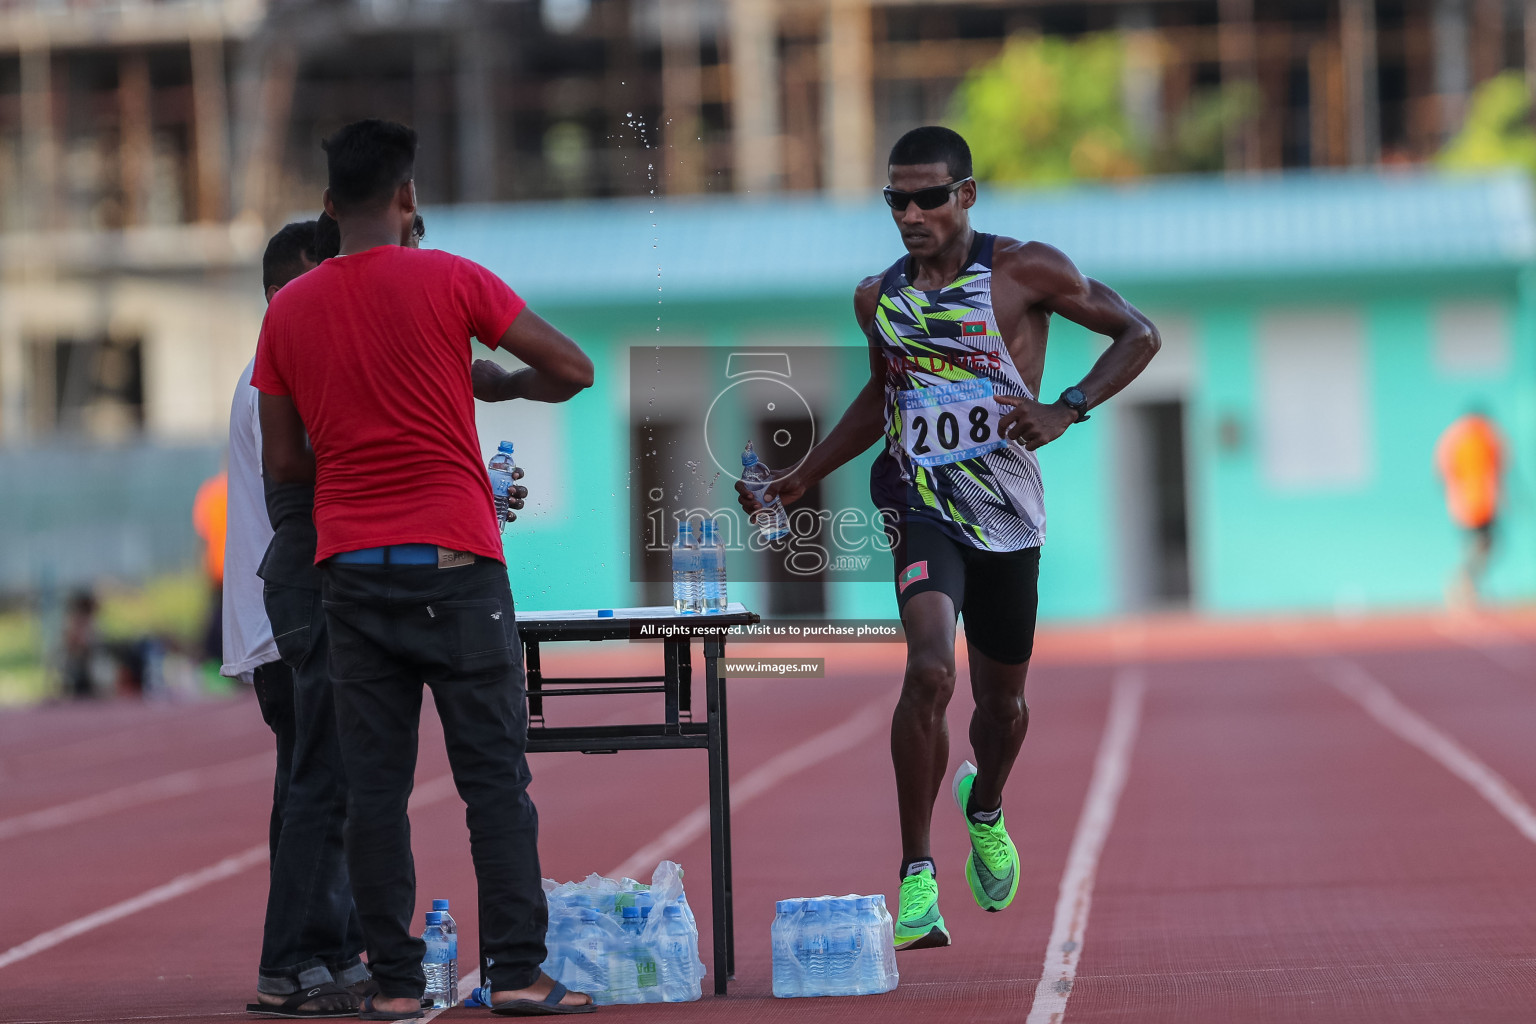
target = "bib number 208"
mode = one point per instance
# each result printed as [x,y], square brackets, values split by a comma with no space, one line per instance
[949,423]
[946,430]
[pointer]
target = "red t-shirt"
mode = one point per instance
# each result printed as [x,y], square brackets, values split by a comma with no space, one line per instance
[374,350]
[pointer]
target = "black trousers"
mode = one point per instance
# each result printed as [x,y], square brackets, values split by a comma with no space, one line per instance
[311,933]
[394,629]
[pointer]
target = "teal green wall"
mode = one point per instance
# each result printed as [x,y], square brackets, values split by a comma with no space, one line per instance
[1385,542]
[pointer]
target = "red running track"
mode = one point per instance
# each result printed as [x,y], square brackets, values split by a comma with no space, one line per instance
[1276,849]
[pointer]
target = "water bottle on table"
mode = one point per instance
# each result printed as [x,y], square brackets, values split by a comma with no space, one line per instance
[435,963]
[450,929]
[500,469]
[772,520]
[712,568]
[686,581]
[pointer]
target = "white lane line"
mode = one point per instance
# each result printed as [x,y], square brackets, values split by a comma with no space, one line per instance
[1506,649]
[165,787]
[760,780]
[1070,926]
[426,794]
[1364,689]
[179,886]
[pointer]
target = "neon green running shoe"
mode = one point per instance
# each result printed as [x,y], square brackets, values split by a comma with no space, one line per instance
[919,925]
[993,866]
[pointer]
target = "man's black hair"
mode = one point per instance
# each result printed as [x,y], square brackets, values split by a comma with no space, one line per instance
[286,252]
[932,144]
[327,237]
[366,161]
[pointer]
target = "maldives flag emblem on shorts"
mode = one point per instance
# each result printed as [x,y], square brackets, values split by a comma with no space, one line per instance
[978,327]
[912,573]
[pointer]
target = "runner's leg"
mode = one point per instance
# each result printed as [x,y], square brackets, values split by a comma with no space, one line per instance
[919,732]
[998,725]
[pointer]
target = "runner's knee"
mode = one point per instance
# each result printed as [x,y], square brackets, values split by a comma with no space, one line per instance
[930,680]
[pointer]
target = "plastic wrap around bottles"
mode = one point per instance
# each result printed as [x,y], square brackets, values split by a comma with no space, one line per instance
[833,946]
[623,941]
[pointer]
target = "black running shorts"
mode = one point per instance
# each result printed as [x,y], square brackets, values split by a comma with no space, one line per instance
[996,591]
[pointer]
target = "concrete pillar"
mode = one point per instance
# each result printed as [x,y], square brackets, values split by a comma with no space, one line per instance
[268,78]
[1239,67]
[136,147]
[210,116]
[1528,15]
[475,98]
[682,95]
[1357,40]
[848,119]
[1141,86]
[39,140]
[757,139]
[1453,73]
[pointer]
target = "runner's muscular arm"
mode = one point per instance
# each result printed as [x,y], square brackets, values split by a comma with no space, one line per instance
[1061,288]
[861,425]
[285,454]
[557,368]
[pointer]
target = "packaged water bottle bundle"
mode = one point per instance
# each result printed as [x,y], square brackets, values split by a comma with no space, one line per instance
[625,942]
[833,946]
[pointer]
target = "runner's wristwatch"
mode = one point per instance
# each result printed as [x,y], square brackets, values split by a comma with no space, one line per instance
[1075,400]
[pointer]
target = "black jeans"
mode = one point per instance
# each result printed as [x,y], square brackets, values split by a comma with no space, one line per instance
[393,629]
[311,934]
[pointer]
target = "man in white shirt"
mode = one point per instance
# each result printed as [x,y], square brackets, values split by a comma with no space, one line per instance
[311,943]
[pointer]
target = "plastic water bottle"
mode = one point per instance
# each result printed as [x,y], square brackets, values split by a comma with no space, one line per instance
[587,953]
[678,945]
[450,929]
[712,568]
[786,969]
[844,942]
[435,963]
[641,957]
[685,571]
[500,468]
[879,972]
[811,948]
[772,520]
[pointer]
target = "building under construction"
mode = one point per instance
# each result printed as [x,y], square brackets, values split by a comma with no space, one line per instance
[147,148]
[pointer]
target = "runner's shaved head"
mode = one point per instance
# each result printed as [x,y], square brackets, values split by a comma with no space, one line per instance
[933,144]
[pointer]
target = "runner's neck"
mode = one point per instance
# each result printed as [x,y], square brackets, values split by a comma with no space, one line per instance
[939,271]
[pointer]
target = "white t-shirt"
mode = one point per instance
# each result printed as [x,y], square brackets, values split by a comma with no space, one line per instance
[247,631]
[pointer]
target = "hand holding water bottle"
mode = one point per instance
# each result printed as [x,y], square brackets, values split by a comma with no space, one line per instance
[763,494]
[507,495]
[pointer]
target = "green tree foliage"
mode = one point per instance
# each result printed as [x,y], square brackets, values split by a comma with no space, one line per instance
[1497,131]
[1049,111]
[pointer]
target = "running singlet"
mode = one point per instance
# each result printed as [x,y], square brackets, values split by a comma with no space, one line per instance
[943,461]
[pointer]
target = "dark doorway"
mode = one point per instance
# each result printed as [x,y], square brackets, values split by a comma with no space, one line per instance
[656,477]
[1153,506]
[784,442]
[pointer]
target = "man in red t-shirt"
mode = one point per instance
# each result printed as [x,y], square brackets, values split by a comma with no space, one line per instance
[369,356]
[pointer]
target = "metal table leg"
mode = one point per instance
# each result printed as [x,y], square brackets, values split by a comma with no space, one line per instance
[719,812]
[712,669]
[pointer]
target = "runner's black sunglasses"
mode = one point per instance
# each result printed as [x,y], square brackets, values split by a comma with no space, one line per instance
[925,198]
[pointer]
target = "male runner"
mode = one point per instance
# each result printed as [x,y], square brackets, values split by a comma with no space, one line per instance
[369,355]
[957,336]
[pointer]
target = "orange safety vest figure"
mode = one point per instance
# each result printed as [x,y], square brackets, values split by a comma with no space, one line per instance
[210,515]
[1470,457]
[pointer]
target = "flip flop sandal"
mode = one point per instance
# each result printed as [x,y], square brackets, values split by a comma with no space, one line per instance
[369,1013]
[549,1006]
[290,1008]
